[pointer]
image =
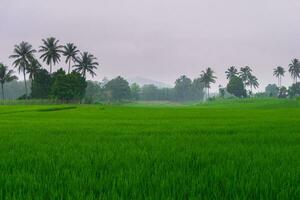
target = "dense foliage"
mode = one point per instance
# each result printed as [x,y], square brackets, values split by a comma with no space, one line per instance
[117,89]
[73,86]
[236,87]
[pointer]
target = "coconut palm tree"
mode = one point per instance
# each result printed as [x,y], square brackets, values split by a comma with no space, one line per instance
[279,73]
[22,54]
[86,64]
[252,82]
[231,71]
[245,72]
[70,51]
[207,77]
[294,69]
[51,51]
[6,76]
[33,68]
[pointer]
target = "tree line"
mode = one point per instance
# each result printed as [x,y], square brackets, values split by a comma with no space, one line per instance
[45,83]
[70,84]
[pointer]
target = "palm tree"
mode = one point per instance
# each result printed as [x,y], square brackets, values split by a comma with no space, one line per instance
[294,69]
[33,68]
[22,55]
[6,76]
[252,82]
[231,71]
[86,64]
[245,72]
[51,51]
[70,51]
[207,77]
[279,73]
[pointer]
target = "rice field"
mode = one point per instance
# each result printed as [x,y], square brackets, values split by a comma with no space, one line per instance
[234,149]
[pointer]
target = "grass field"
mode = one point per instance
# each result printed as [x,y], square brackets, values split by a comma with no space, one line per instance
[238,149]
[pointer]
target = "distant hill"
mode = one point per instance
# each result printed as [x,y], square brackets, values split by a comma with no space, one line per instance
[144,81]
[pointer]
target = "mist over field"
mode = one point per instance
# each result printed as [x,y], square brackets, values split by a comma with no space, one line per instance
[162,39]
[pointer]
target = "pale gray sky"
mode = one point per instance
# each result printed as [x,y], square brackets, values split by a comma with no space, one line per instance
[162,39]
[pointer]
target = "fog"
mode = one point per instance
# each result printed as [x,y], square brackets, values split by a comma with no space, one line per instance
[162,39]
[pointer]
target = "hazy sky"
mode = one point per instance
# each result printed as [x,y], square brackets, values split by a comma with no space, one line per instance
[162,39]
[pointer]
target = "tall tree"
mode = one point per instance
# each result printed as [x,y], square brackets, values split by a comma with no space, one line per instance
[70,52]
[33,68]
[245,73]
[6,76]
[207,77]
[279,73]
[86,64]
[183,86]
[231,72]
[294,69]
[22,55]
[50,51]
[252,82]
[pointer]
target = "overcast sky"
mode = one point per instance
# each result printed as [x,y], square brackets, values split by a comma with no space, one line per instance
[162,39]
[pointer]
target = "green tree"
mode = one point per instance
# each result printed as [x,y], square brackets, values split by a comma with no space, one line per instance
[183,87]
[272,90]
[245,73]
[252,82]
[93,92]
[117,89]
[68,87]
[22,55]
[222,91]
[33,68]
[207,77]
[283,92]
[294,69]
[236,87]
[231,71]
[41,84]
[51,51]
[279,73]
[135,91]
[6,76]
[70,52]
[197,89]
[294,90]
[149,92]
[86,64]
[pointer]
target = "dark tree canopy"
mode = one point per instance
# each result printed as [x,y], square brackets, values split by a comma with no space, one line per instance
[135,91]
[294,90]
[236,87]
[183,87]
[41,85]
[272,90]
[68,87]
[117,89]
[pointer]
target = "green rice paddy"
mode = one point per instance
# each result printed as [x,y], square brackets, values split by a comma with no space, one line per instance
[234,149]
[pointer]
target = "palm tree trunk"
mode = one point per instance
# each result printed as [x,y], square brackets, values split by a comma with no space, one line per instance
[50,67]
[207,92]
[26,93]
[2,91]
[280,81]
[69,66]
